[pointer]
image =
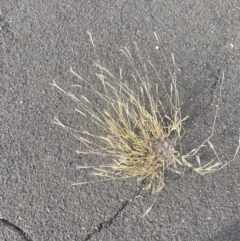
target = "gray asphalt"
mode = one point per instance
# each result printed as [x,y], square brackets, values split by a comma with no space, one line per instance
[40,40]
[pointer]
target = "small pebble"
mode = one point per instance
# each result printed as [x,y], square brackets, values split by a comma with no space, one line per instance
[48,209]
[157,47]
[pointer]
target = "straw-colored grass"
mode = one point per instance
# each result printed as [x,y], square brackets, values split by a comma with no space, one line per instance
[141,131]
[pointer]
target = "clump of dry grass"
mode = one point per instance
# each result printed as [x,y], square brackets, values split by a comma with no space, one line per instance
[141,135]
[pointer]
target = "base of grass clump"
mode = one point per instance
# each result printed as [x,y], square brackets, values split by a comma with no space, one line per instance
[141,134]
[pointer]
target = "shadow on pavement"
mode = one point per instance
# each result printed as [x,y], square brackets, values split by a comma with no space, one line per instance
[230,233]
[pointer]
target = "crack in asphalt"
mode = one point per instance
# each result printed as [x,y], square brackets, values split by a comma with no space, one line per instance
[17,228]
[216,75]
[109,222]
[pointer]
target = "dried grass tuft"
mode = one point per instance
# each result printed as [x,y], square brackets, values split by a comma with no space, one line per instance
[141,135]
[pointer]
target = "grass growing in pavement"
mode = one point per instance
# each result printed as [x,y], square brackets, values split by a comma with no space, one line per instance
[141,133]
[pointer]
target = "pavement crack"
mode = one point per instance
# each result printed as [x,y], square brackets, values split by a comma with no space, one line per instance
[17,228]
[214,85]
[216,78]
[109,222]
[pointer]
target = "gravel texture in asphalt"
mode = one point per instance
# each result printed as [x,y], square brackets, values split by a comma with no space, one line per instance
[40,41]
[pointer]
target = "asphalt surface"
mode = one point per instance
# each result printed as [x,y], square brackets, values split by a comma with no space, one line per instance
[40,40]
